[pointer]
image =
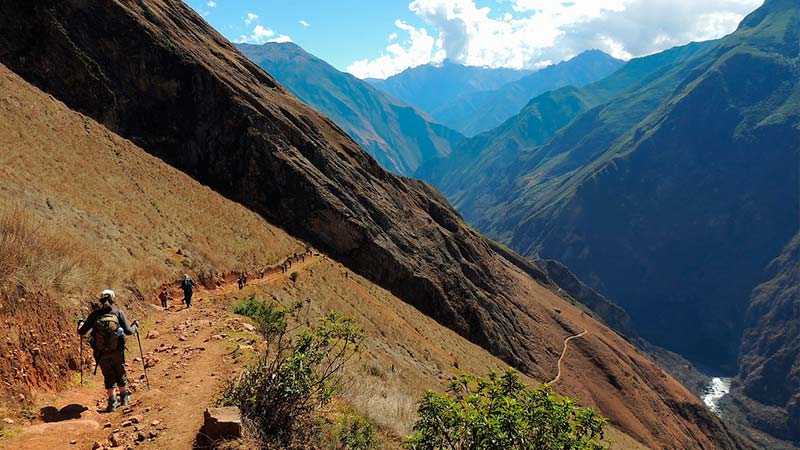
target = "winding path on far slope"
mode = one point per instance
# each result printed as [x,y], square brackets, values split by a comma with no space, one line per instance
[564,353]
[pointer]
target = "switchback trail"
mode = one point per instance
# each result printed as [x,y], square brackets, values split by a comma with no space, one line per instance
[564,353]
[189,353]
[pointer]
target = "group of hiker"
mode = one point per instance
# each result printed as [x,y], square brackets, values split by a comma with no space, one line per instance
[107,327]
[187,286]
[297,257]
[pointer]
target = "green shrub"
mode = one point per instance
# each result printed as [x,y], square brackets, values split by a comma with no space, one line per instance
[297,374]
[293,276]
[500,413]
[270,319]
[353,432]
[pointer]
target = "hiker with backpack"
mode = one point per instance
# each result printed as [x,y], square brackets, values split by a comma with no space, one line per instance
[109,326]
[188,289]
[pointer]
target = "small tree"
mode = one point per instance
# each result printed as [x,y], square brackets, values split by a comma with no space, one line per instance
[298,373]
[500,413]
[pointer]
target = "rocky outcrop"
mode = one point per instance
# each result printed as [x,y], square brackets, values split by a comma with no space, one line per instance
[154,72]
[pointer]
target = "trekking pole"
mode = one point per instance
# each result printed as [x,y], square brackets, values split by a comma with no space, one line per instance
[80,322]
[81,360]
[144,366]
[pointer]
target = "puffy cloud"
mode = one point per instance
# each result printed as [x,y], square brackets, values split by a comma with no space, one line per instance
[212,4]
[420,48]
[250,18]
[304,23]
[536,32]
[259,35]
[392,37]
[281,39]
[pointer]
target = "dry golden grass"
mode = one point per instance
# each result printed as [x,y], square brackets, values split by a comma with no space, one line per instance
[83,209]
[406,352]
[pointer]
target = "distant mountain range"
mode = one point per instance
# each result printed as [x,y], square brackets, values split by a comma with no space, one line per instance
[432,86]
[474,113]
[671,188]
[396,134]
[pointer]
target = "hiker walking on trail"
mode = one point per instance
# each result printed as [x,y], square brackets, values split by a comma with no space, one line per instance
[109,327]
[188,289]
[240,281]
[164,296]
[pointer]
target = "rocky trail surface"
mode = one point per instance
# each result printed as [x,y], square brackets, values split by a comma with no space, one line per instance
[189,352]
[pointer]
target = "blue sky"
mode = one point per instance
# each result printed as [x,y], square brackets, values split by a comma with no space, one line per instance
[378,38]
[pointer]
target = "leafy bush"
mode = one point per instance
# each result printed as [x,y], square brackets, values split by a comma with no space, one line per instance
[297,374]
[293,276]
[501,413]
[354,433]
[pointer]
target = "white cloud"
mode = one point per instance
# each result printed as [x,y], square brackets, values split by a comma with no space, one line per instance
[392,37]
[259,35]
[539,31]
[420,48]
[304,23]
[281,39]
[250,18]
[212,4]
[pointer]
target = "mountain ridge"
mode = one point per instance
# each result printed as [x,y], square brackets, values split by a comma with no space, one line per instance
[482,111]
[396,134]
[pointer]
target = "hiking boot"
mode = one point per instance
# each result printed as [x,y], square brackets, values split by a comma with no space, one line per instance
[126,398]
[112,404]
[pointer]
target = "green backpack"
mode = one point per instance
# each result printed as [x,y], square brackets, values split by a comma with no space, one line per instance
[105,333]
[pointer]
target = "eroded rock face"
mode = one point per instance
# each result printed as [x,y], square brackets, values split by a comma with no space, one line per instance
[156,73]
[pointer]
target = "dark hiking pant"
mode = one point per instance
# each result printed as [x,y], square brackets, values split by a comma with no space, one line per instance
[113,367]
[187,298]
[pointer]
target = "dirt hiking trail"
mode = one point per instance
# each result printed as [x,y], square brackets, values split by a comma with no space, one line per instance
[564,353]
[189,353]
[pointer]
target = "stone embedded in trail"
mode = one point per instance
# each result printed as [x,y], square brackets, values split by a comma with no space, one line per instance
[115,440]
[248,327]
[152,334]
[155,423]
[137,419]
[222,423]
[8,420]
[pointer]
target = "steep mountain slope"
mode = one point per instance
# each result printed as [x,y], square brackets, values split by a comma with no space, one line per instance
[394,133]
[156,73]
[676,205]
[82,209]
[464,176]
[482,111]
[432,86]
[74,179]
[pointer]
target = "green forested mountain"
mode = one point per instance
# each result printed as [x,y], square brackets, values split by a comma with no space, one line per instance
[482,111]
[474,171]
[396,134]
[677,198]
